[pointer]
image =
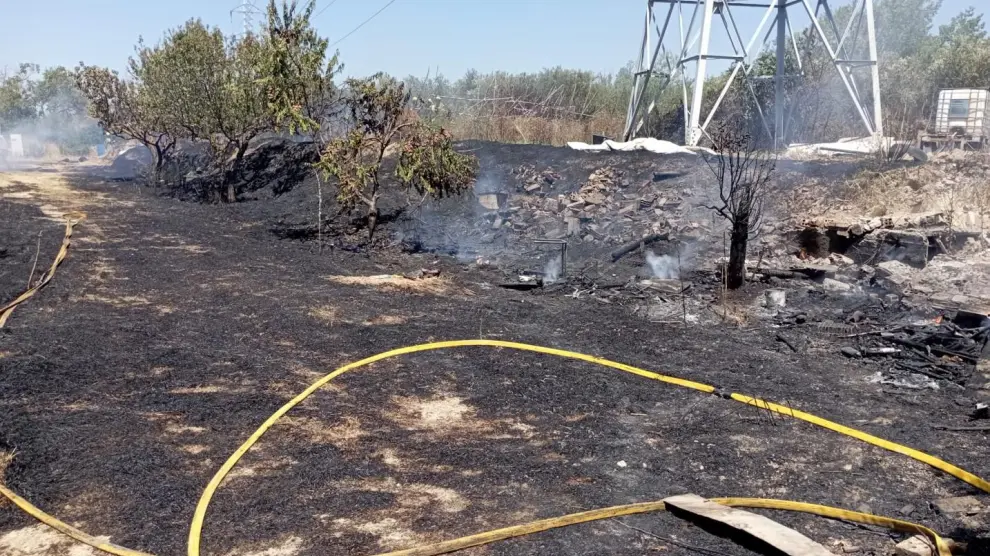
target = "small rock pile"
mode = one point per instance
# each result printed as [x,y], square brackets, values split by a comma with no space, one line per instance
[605,210]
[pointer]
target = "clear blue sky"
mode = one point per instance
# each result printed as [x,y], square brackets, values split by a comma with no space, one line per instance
[407,38]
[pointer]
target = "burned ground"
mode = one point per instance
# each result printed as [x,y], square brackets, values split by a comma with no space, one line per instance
[174,329]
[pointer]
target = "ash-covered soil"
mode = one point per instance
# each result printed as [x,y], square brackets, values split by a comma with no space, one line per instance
[174,329]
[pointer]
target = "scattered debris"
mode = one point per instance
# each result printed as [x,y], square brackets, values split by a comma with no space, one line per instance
[851,352]
[982,412]
[623,250]
[751,530]
[910,381]
[918,545]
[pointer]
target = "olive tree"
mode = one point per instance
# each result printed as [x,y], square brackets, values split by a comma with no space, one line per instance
[207,86]
[123,108]
[378,111]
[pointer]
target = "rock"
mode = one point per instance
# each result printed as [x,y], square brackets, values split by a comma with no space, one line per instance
[967,505]
[895,271]
[854,354]
[573,225]
[489,200]
[775,298]
[497,223]
[594,198]
[839,259]
[910,248]
[533,187]
[864,509]
[835,286]
[907,510]
[551,205]
[918,545]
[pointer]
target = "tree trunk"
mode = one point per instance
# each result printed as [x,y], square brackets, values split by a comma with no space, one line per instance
[159,162]
[372,218]
[234,171]
[736,271]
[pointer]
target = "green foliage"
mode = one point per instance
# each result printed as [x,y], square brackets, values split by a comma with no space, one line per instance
[47,108]
[205,87]
[125,109]
[378,111]
[16,103]
[293,68]
[429,164]
[376,107]
[198,85]
[554,94]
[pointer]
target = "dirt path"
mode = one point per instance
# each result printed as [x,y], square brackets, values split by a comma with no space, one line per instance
[174,329]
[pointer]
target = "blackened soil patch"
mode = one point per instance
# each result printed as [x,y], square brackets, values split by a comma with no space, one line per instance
[156,352]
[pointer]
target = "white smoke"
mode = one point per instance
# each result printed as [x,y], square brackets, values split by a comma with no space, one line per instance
[664,267]
[551,270]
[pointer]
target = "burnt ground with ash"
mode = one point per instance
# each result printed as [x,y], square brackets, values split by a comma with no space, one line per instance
[174,329]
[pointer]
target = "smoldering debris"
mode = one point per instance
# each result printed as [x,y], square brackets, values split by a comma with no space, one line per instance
[664,267]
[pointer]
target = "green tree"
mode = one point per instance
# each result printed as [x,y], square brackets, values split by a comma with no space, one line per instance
[57,93]
[378,110]
[122,108]
[16,95]
[207,87]
[295,73]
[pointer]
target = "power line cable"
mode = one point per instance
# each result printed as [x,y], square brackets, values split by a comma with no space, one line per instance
[363,23]
[325,8]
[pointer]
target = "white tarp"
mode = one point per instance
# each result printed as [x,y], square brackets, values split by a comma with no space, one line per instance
[641,144]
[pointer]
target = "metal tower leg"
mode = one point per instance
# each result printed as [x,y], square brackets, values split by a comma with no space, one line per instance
[695,46]
[779,96]
[871,34]
[693,131]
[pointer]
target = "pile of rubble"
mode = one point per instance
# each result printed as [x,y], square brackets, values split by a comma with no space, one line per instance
[606,210]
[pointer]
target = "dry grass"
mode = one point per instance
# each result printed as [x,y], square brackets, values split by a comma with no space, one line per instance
[531,129]
[394,283]
[6,458]
[954,184]
[343,435]
[326,313]
[49,187]
[385,320]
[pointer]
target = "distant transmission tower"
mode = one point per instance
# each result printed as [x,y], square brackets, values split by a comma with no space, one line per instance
[247,10]
[692,22]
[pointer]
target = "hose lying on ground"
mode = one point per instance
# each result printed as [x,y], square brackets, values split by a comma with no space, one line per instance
[196,528]
[71,220]
[199,515]
[489,537]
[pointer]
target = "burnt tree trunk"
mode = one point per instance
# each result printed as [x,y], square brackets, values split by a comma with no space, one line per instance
[158,157]
[372,218]
[736,271]
[234,171]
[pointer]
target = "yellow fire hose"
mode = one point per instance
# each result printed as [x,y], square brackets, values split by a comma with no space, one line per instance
[71,220]
[199,515]
[196,528]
